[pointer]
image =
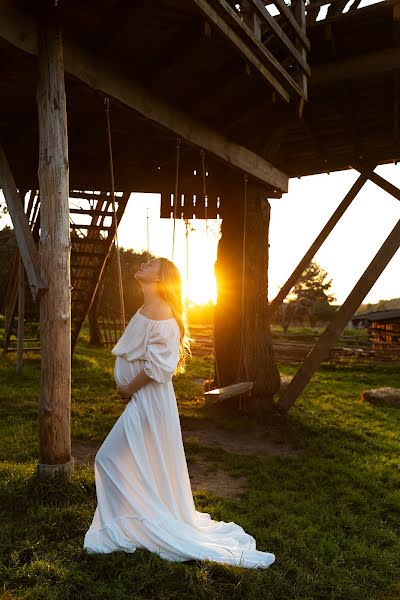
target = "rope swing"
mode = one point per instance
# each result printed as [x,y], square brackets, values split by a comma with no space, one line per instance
[116,243]
[178,145]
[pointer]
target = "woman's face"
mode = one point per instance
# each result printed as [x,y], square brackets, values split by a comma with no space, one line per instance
[149,272]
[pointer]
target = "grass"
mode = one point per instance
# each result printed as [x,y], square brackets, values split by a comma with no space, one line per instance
[331,515]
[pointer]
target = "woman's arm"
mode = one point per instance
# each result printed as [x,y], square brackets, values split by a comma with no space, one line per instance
[125,391]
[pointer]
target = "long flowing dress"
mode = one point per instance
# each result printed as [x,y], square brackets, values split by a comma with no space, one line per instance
[144,496]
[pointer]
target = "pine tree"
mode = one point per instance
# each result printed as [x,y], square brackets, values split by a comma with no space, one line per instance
[311,295]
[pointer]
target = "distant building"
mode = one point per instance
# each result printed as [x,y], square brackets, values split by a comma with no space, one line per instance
[383,327]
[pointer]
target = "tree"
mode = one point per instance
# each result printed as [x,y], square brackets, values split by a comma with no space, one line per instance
[310,296]
[107,296]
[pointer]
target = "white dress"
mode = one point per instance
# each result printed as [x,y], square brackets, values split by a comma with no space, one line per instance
[144,497]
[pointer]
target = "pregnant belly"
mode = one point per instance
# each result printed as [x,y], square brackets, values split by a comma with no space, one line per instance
[126,370]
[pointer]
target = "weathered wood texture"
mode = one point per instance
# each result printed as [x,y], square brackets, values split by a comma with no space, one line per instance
[257,348]
[55,311]
[342,317]
[106,77]
[229,391]
[315,246]
[23,232]
[256,361]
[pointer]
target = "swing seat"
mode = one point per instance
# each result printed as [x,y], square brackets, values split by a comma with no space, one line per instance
[229,391]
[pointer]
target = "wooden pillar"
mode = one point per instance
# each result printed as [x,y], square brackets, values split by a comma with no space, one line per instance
[315,246]
[257,348]
[343,315]
[21,313]
[55,319]
[257,351]
[227,314]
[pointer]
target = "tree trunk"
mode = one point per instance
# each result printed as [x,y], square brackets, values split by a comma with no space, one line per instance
[55,312]
[258,350]
[256,362]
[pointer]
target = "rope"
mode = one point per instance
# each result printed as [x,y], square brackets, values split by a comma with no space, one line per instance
[242,355]
[116,244]
[202,154]
[203,167]
[178,144]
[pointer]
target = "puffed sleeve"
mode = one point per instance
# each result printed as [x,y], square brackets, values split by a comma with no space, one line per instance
[162,351]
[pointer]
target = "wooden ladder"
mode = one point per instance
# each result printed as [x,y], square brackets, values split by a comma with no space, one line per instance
[92,239]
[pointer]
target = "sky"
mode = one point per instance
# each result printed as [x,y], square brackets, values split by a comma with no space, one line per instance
[296,220]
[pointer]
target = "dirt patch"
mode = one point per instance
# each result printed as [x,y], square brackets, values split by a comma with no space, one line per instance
[260,441]
[212,478]
[204,475]
[208,475]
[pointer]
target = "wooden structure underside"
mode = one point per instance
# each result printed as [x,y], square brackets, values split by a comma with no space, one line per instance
[352,111]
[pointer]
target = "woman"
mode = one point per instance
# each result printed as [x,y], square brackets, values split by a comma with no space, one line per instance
[144,497]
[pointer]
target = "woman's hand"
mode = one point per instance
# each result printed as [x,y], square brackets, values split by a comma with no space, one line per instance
[125,393]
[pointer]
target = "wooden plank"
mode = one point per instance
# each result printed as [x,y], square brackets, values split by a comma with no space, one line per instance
[229,391]
[26,244]
[242,47]
[285,10]
[274,25]
[55,311]
[313,249]
[331,334]
[300,14]
[19,29]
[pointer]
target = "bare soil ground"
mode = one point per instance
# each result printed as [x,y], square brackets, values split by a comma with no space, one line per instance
[206,474]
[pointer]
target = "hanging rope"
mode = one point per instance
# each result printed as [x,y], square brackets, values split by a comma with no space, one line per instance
[110,154]
[178,145]
[242,354]
[203,167]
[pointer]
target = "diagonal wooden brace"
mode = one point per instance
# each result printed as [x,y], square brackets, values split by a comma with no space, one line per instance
[26,244]
[331,334]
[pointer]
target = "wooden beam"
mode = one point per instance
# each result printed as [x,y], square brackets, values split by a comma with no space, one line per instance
[285,10]
[315,246]
[342,317]
[300,56]
[379,181]
[23,233]
[19,29]
[55,307]
[243,48]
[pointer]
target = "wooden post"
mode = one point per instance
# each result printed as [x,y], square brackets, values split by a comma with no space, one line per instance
[257,343]
[343,315]
[23,233]
[307,258]
[55,312]
[21,313]
[257,349]
[227,268]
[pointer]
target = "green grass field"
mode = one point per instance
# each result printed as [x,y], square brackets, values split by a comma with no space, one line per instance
[331,515]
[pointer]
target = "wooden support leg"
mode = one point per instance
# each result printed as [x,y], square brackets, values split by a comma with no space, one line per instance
[343,315]
[307,258]
[55,318]
[21,313]
[227,319]
[257,344]
[257,347]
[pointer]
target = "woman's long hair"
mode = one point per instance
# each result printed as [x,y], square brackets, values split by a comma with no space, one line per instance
[170,290]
